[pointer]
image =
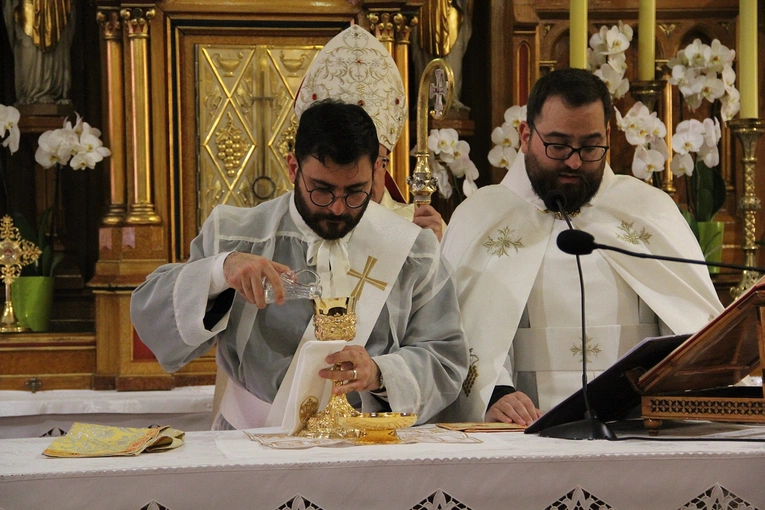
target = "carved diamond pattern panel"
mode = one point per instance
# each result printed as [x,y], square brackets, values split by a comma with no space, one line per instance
[718,498]
[579,499]
[440,500]
[245,121]
[299,503]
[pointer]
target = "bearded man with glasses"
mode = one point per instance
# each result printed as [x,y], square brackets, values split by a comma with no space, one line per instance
[519,294]
[409,353]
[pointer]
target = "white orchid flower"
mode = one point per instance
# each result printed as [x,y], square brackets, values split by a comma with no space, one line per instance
[689,137]
[617,85]
[9,123]
[616,41]
[731,104]
[646,162]
[506,136]
[718,56]
[710,155]
[712,132]
[598,40]
[468,187]
[659,145]
[694,52]
[515,115]
[682,164]
[442,142]
[502,157]
[712,88]
[442,176]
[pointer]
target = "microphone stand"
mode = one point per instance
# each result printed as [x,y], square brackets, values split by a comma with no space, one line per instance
[590,427]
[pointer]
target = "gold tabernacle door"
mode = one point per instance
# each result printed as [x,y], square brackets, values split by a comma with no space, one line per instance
[697,380]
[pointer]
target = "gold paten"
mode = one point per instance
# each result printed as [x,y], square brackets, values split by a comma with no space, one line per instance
[379,428]
[335,319]
[15,253]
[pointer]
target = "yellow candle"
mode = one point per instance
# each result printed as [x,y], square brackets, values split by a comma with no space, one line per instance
[578,39]
[647,40]
[747,58]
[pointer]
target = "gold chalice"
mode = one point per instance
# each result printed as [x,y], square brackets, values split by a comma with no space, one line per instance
[335,319]
[379,428]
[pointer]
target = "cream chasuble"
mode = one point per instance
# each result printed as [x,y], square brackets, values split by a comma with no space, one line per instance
[502,238]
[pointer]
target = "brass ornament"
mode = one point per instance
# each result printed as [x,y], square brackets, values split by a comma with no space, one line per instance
[748,132]
[437,82]
[308,408]
[15,253]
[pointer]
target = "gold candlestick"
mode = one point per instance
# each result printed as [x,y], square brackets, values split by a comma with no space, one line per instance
[335,319]
[748,132]
[15,253]
[421,182]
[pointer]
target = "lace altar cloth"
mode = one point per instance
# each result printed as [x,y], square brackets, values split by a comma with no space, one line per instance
[214,469]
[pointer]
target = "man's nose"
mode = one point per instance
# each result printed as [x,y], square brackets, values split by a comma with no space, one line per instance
[574,160]
[337,207]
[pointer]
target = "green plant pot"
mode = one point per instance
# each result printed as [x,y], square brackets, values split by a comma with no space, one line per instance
[32,298]
[711,242]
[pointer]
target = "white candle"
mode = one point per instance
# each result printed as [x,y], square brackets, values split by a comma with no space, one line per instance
[647,40]
[578,34]
[747,58]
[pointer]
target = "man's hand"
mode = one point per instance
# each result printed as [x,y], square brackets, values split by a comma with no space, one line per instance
[514,408]
[427,217]
[357,369]
[244,272]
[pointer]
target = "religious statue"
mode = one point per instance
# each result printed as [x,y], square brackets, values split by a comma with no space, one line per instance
[41,33]
[443,32]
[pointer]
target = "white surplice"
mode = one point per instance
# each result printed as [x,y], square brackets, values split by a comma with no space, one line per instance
[414,336]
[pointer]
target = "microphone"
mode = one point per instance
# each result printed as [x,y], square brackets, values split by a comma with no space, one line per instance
[589,427]
[555,201]
[579,242]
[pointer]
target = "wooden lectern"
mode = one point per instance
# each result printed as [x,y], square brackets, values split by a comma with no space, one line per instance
[697,380]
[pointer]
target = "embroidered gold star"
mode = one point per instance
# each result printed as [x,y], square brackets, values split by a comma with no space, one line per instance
[631,236]
[503,243]
[594,350]
[364,278]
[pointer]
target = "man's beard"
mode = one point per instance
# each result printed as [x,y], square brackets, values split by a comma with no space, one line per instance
[577,194]
[337,226]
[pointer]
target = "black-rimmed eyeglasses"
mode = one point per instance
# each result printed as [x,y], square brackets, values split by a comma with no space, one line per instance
[323,197]
[562,151]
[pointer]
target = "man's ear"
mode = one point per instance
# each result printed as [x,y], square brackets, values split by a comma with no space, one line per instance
[292,166]
[524,131]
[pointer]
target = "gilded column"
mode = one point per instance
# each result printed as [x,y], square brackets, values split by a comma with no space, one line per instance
[382,27]
[112,83]
[141,210]
[404,26]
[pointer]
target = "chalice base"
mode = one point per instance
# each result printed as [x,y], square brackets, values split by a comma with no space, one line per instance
[378,437]
[326,424]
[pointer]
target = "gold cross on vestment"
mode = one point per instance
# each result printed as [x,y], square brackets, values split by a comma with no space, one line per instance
[364,278]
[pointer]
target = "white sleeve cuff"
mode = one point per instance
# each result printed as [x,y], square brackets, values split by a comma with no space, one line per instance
[218,280]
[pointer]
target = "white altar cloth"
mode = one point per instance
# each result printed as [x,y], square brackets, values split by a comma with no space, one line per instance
[506,470]
[26,414]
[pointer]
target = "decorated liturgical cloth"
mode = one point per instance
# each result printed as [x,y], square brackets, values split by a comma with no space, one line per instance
[89,440]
